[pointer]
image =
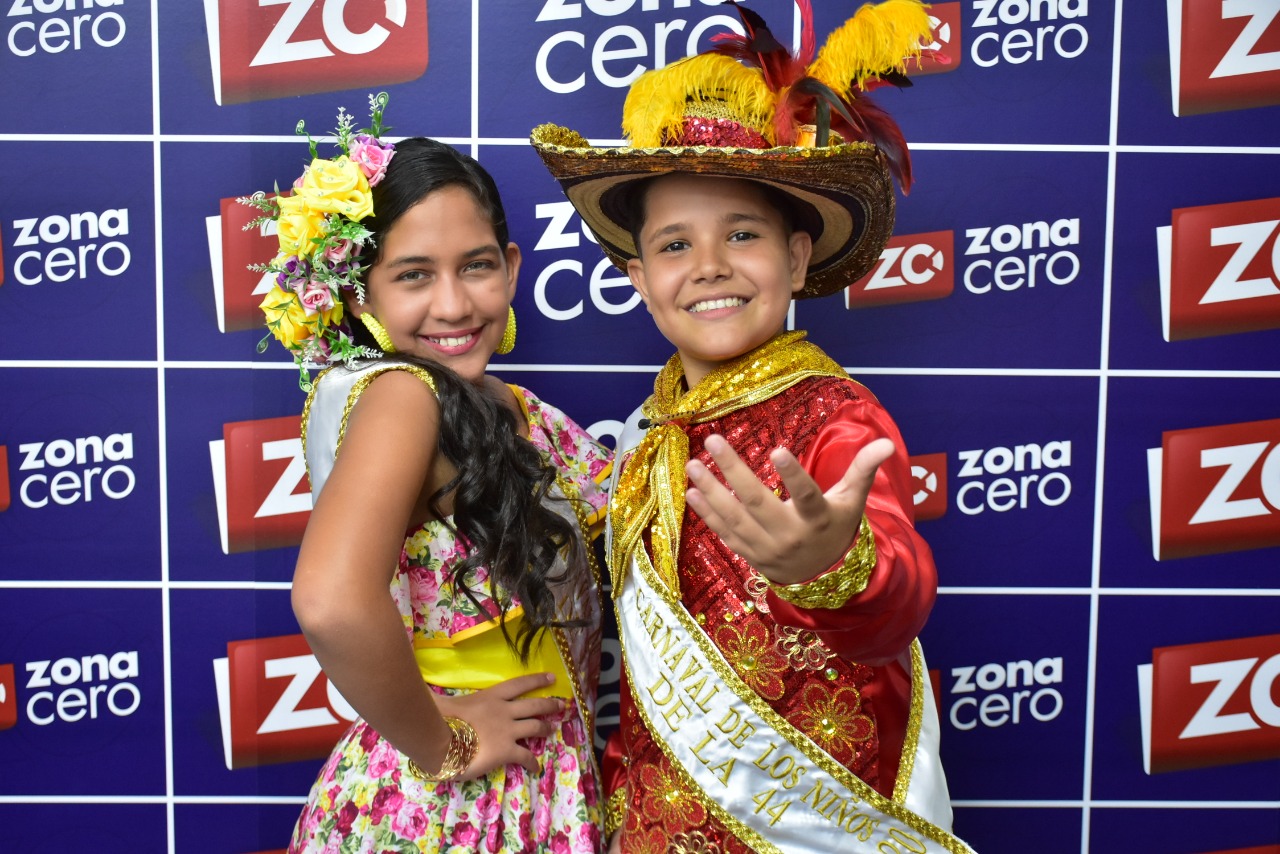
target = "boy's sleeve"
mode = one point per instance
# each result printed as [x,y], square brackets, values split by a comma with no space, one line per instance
[876,624]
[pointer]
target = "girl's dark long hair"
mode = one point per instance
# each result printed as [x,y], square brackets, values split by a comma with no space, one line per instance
[502,479]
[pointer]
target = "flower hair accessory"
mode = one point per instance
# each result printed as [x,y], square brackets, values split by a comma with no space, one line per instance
[322,243]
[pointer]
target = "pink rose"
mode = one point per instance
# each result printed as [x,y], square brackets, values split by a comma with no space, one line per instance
[589,836]
[346,816]
[560,843]
[542,822]
[338,251]
[411,821]
[487,806]
[386,802]
[383,760]
[371,157]
[317,298]
[466,834]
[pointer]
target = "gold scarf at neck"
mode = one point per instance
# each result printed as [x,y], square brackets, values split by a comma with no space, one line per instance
[650,491]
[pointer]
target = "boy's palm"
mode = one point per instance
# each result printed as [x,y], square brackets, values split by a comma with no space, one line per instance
[786,541]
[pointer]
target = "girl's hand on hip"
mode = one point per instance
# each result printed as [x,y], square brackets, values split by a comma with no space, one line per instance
[503,719]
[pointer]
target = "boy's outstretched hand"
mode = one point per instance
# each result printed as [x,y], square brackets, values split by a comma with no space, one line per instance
[786,541]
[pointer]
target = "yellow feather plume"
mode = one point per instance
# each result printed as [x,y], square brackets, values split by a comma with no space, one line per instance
[876,39]
[656,105]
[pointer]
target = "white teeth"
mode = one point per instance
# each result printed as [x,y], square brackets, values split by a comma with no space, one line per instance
[708,305]
[451,342]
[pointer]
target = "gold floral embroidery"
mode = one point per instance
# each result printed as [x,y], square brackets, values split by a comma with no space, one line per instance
[667,801]
[615,811]
[747,648]
[693,842]
[803,648]
[835,588]
[833,718]
[757,586]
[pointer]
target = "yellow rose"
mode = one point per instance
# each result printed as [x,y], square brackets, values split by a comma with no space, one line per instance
[337,186]
[287,319]
[298,223]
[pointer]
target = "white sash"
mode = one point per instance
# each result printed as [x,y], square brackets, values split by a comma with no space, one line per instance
[771,785]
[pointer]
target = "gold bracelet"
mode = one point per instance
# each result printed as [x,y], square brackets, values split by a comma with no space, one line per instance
[463,743]
[833,589]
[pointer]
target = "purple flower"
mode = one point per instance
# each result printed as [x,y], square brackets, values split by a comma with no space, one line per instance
[295,275]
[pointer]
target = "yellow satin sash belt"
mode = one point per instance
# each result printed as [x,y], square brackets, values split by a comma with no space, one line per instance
[480,657]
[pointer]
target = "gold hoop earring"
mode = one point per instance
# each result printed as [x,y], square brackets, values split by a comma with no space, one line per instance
[508,342]
[378,331]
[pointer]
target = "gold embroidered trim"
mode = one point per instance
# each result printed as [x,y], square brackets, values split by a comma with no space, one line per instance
[363,383]
[650,490]
[693,842]
[833,589]
[615,812]
[306,416]
[794,736]
[915,719]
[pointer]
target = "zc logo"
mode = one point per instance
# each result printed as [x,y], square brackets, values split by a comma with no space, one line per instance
[260,484]
[1209,704]
[4,478]
[238,291]
[944,52]
[911,268]
[929,482]
[275,703]
[1223,55]
[311,46]
[1220,269]
[1215,489]
[8,697]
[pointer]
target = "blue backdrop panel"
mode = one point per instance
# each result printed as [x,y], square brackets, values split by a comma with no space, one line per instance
[1012,694]
[1129,629]
[437,102]
[232,828]
[79,250]
[208,621]
[1141,410]
[88,693]
[206,401]
[1149,187]
[1028,231]
[99,60]
[83,480]
[996,830]
[1020,472]
[1180,831]
[110,828]
[1037,73]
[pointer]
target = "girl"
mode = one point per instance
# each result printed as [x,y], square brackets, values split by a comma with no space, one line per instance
[468,499]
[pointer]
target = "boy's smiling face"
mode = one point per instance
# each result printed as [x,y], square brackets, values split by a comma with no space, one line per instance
[717,269]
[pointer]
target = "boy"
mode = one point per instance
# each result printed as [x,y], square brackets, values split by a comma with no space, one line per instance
[775,697]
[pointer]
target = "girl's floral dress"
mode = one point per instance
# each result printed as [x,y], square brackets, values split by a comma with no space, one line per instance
[365,800]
